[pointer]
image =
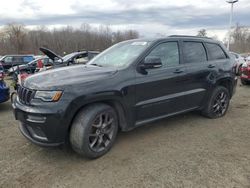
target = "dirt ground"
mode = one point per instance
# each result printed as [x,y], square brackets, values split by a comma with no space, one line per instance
[184,151]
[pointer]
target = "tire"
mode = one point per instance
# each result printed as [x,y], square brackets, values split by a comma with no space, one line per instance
[244,82]
[239,70]
[217,104]
[94,130]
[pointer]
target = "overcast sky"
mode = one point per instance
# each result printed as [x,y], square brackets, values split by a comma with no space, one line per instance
[149,17]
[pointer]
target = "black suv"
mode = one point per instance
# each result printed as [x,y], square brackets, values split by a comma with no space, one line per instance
[130,84]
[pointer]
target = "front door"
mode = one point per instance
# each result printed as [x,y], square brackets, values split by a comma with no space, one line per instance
[161,91]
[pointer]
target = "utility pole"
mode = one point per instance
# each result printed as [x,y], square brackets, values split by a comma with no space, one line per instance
[230,21]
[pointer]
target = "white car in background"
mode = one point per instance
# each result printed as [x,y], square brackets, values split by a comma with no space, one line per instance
[239,60]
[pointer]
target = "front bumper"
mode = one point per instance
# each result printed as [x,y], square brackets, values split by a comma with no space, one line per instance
[43,129]
[30,136]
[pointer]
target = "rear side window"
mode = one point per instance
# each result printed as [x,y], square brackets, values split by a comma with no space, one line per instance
[194,52]
[215,52]
[168,53]
[27,59]
[17,59]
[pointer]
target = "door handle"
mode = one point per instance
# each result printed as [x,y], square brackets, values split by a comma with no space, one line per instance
[177,71]
[211,66]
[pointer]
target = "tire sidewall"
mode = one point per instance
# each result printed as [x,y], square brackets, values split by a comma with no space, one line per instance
[215,93]
[83,125]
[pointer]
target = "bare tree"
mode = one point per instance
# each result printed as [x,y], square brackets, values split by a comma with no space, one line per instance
[240,39]
[202,33]
[15,38]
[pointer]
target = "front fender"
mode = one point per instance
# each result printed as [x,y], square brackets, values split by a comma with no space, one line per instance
[114,98]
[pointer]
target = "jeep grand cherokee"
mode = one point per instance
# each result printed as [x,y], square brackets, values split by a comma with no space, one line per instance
[130,84]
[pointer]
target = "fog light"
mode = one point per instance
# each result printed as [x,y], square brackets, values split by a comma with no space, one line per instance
[36,119]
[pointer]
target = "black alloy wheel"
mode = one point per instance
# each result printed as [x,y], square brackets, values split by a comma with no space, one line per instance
[101,132]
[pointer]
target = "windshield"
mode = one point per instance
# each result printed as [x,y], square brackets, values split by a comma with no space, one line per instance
[33,62]
[67,57]
[120,55]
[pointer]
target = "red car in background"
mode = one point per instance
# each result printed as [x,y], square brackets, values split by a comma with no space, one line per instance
[245,72]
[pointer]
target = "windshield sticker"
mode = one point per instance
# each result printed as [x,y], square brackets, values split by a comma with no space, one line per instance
[139,43]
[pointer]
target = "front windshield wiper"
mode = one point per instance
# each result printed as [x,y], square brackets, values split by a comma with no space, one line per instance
[94,64]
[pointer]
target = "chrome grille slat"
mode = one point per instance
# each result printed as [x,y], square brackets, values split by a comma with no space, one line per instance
[25,95]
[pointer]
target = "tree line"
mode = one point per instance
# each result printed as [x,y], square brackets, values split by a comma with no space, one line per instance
[18,39]
[240,38]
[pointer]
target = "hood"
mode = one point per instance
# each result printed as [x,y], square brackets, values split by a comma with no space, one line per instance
[52,55]
[14,68]
[67,76]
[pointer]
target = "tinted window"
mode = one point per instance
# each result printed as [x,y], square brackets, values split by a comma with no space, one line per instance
[27,59]
[17,59]
[92,55]
[168,53]
[215,51]
[194,52]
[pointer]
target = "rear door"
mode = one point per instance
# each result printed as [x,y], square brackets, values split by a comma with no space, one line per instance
[198,71]
[17,60]
[216,56]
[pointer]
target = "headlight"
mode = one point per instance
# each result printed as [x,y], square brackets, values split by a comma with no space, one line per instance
[48,96]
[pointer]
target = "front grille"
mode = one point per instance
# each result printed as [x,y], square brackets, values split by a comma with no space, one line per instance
[25,95]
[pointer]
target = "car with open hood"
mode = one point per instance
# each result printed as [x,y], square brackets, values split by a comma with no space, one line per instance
[130,84]
[74,58]
[31,66]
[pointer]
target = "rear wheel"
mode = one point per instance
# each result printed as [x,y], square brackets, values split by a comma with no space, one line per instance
[244,82]
[94,130]
[239,70]
[218,103]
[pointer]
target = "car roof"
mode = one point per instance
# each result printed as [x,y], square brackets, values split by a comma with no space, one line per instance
[19,55]
[184,37]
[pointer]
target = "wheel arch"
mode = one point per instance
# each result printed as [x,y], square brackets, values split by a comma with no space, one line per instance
[114,103]
[227,83]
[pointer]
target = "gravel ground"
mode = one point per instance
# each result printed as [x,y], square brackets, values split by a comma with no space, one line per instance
[184,151]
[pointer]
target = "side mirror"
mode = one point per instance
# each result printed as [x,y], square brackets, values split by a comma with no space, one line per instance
[151,63]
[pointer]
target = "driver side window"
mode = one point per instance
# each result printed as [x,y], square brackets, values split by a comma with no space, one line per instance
[168,52]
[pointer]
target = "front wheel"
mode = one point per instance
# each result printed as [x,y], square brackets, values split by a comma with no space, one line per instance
[218,103]
[94,130]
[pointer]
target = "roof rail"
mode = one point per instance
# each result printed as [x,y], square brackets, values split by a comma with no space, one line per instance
[189,36]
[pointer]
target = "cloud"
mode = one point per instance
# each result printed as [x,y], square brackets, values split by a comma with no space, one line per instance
[161,14]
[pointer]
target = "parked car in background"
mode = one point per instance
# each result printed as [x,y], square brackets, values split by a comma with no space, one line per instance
[245,72]
[31,66]
[239,60]
[4,89]
[70,59]
[14,60]
[130,84]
